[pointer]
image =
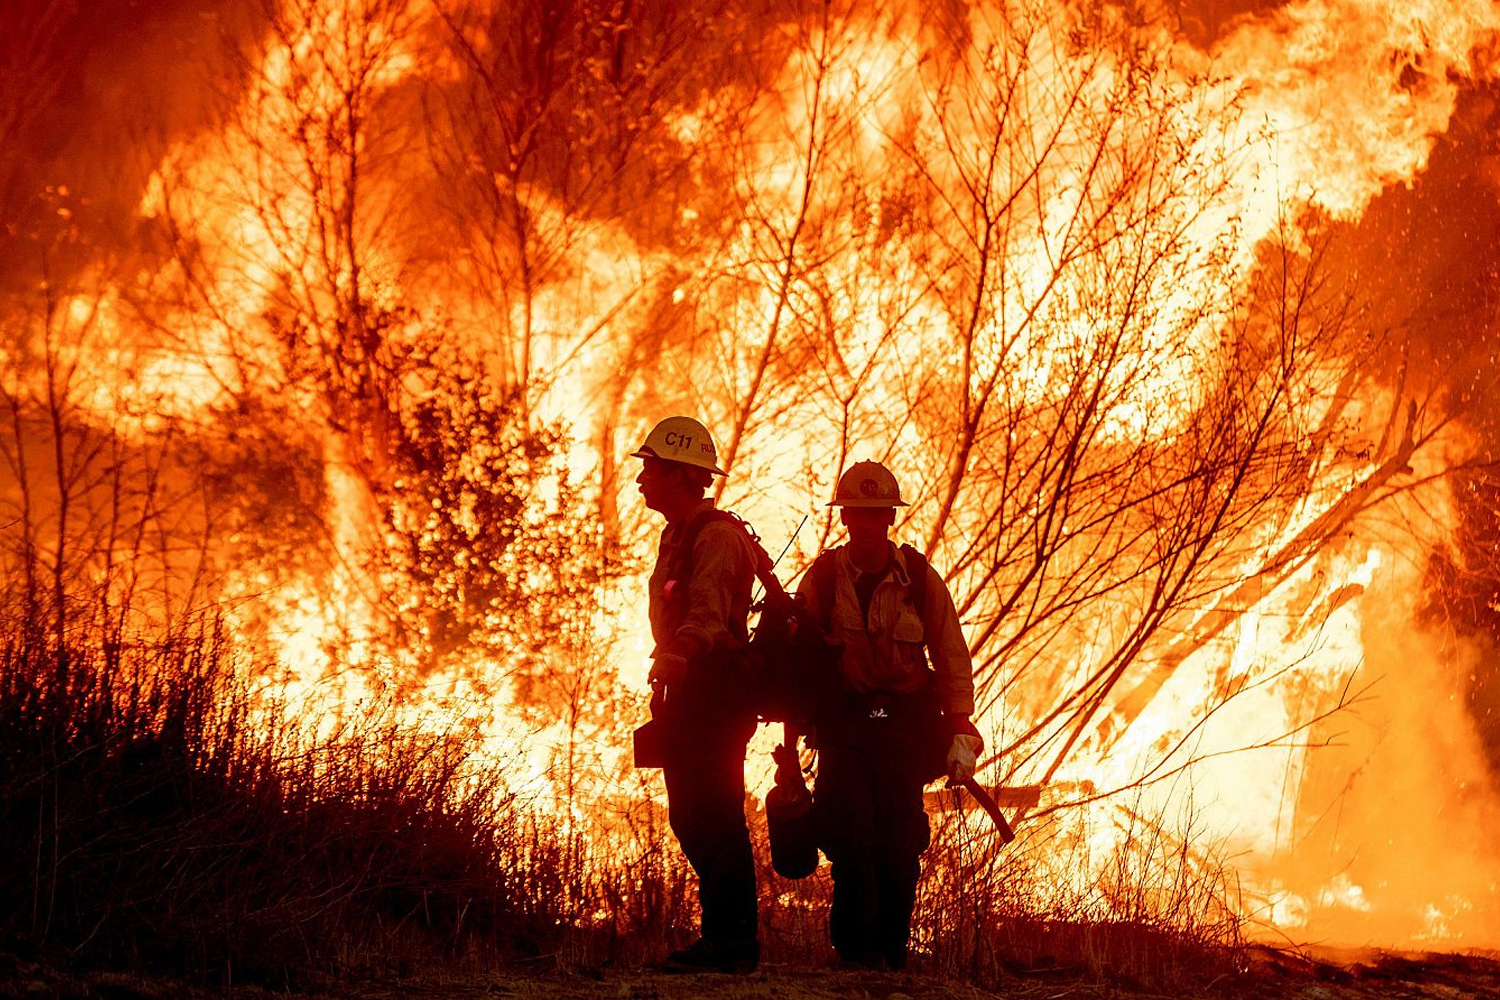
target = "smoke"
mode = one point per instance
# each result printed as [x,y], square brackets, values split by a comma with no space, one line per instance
[1394,836]
[1428,258]
[94,94]
[1392,114]
[1394,824]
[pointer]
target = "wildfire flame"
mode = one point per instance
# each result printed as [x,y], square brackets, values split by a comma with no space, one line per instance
[1068,271]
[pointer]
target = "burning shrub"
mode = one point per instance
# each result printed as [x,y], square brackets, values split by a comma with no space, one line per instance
[448,527]
[487,544]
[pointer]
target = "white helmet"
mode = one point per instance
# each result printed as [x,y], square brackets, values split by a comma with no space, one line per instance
[867,484]
[681,439]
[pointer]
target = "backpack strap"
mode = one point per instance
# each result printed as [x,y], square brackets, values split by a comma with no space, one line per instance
[916,570]
[682,559]
[822,572]
[916,590]
[682,565]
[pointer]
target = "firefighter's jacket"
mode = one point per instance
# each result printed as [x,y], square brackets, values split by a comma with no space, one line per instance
[884,651]
[706,612]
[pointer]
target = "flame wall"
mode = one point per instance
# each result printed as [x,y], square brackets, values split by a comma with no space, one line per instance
[1174,320]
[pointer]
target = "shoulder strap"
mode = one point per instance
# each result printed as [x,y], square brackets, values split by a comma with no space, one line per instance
[763,564]
[916,570]
[821,572]
[682,560]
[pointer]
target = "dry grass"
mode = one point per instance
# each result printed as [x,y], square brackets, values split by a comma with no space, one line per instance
[166,820]
[1157,912]
[158,826]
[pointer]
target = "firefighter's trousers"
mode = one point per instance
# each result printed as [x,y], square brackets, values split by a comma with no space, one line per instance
[705,776]
[875,754]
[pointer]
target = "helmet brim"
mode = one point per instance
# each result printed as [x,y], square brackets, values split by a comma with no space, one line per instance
[645,452]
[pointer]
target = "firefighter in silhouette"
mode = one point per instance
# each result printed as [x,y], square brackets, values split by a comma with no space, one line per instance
[700,599]
[896,724]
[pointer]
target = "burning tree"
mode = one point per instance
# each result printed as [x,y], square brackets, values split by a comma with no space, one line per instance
[1011,260]
[452,528]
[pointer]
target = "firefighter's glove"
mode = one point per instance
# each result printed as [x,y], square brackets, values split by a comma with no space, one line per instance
[963,755]
[668,669]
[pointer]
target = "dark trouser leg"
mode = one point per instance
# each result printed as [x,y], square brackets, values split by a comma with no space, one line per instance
[705,775]
[871,772]
[845,802]
[897,869]
[902,833]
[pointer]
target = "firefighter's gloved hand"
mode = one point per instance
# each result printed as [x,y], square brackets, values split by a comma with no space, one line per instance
[963,755]
[668,668]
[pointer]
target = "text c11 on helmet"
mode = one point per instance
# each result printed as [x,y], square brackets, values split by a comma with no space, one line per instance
[681,439]
[867,484]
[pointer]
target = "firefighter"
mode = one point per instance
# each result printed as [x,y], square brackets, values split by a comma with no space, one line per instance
[699,603]
[896,723]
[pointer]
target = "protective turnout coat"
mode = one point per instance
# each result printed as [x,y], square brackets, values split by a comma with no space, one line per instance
[883,652]
[882,740]
[707,611]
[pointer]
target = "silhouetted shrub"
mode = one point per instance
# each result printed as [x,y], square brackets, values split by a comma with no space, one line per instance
[158,816]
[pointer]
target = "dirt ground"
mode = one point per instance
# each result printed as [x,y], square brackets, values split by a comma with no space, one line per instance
[1273,975]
